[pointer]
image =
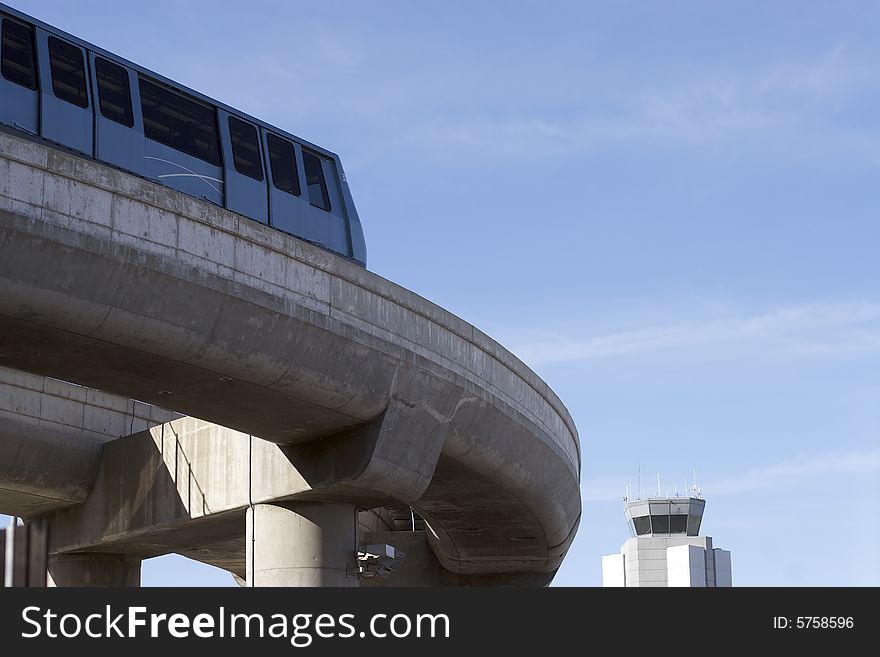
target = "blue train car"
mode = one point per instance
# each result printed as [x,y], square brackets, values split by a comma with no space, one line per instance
[64,90]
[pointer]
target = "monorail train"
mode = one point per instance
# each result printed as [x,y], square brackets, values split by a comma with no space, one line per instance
[59,88]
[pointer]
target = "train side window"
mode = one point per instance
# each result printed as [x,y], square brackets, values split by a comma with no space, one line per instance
[317,186]
[245,148]
[68,72]
[179,122]
[114,92]
[18,61]
[282,157]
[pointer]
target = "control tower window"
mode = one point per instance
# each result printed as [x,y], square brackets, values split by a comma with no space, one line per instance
[245,148]
[678,524]
[660,524]
[642,525]
[18,54]
[68,72]
[114,93]
[315,180]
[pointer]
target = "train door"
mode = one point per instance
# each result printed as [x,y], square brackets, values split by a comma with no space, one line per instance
[19,82]
[181,141]
[325,200]
[119,128]
[65,99]
[289,207]
[243,168]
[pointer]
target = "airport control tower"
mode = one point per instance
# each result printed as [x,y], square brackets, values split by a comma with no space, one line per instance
[666,548]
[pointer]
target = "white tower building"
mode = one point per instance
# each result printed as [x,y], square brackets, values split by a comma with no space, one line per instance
[666,548]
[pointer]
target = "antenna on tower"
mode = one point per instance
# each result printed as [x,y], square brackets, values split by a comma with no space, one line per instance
[697,490]
[659,494]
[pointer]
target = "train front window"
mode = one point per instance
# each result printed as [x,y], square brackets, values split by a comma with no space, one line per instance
[114,92]
[68,72]
[317,187]
[179,122]
[282,158]
[18,54]
[245,148]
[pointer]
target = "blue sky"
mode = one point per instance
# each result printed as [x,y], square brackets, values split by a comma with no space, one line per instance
[668,210]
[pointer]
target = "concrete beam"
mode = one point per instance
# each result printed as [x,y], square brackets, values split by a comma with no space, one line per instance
[94,570]
[51,437]
[157,482]
[190,482]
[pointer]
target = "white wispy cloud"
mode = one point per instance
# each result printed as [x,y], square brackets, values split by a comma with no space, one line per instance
[832,71]
[763,102]
[694,116]
[804,471]
[815,330]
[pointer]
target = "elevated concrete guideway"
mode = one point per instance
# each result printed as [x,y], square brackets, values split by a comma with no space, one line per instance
[371,394]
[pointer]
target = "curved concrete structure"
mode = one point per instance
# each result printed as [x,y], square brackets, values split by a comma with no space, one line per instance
[372,393]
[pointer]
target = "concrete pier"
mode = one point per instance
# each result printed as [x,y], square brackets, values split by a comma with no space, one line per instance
[304,544]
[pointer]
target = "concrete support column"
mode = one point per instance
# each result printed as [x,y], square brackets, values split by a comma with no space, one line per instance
[94,569]
[301,544]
